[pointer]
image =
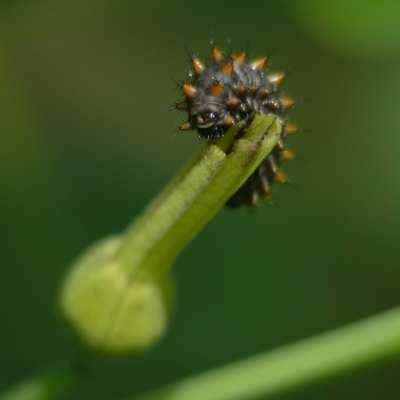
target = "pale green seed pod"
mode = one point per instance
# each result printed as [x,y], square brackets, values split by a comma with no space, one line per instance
[111,310]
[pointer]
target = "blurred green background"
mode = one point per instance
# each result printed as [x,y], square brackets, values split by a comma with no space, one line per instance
[87,139]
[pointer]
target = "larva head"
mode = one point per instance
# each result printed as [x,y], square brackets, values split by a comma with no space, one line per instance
[207,115]
[209,111]
[208,98]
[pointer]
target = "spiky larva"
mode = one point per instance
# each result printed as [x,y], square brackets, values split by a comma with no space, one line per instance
[230,90]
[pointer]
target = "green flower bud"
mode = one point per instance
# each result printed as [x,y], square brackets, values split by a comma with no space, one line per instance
[110,310]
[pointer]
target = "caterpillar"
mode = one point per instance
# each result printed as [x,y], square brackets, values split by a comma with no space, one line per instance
[230,90]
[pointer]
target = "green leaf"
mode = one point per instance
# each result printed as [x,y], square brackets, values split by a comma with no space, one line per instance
[118,294]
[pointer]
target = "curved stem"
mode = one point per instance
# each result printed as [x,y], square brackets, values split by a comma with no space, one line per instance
[117,294]
[274,373]
[193,198]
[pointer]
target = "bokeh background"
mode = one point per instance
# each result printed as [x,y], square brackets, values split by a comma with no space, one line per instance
[87,139]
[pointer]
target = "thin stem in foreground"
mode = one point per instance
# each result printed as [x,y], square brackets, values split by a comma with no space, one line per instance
[358,345]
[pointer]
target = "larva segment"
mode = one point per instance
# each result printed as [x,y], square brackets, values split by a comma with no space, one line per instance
[265,187]
[263,92]
[240,90]
[273,105]
[216,89]
[280,145]
[272,164]
[227,69]
[233,102]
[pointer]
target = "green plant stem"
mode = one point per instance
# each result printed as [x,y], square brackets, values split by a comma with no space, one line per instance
[193,198]
[358,345]
[117,294]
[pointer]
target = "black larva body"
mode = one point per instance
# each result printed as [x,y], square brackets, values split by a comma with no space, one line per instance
[231,90]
